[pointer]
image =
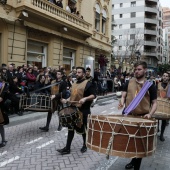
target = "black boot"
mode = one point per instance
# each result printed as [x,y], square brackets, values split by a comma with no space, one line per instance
[64,151]
[44,129]
[83,149]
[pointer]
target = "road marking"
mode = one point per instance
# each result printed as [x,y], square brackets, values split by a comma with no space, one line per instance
[107,164]
[60,130]
[104,111]
[9,161]
[112,108]
[35,140]
[45,144]
[3,153]
[111,113]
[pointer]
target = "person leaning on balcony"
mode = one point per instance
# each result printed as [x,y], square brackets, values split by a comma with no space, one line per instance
[59,3]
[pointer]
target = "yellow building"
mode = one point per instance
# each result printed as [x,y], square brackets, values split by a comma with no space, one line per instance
[39,32]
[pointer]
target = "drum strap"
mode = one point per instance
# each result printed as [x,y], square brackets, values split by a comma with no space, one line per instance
[134,103]
[110,143]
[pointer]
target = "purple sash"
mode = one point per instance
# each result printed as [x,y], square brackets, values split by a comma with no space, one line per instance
[134,103]
[1,85]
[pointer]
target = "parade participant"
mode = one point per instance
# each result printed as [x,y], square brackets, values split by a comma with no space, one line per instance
[83,92]
[88,74]
[3,119]
[146,107]
[162,91]
[57,91]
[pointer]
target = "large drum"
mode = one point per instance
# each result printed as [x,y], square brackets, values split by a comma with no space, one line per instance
[122,136]
[163,109]
[68,116]
[36,102]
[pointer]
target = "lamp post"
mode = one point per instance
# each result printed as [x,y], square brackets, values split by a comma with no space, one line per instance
[138,55]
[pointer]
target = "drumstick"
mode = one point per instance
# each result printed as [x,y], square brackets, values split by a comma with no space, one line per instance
[73,101]
[31,106]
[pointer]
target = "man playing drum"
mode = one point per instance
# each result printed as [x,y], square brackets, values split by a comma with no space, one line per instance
[146,107]
[82,95]
[162,91]
[58,91]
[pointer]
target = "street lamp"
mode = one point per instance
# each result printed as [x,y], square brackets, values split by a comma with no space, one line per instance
[138,55]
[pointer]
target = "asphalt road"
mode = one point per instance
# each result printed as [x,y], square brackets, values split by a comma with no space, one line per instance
[30,149]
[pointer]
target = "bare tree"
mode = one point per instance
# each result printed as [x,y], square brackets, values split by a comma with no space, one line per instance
[130,42]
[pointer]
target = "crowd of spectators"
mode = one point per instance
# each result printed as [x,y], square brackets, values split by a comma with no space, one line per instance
[71,7]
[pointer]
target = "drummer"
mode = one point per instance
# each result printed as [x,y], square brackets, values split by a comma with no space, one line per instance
[57,91]
[162,91]
[83,92]
[146,107]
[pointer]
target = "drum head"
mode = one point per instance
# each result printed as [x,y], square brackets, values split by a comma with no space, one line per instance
[67,110]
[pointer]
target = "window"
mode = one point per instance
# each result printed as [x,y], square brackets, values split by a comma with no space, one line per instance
[131,47]
[120,47]
[113,27]
[112,6]
[121,15]
[104,16]
[121,4]
[120,26]
[97,18]
[133,25]
[133,4]
[133,14]
[112,18]
[132,36]
[120,36]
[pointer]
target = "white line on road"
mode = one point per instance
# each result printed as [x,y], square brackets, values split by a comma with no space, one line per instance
[108,164]
[35,140]
[60,130]
[45,144]
[3,153]
[104,111]
[112,108]
[9,161]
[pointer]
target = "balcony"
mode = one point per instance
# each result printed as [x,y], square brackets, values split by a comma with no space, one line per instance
[44,12]
[150,42]
[155,1]
[149,52]
[151,20]
[151,8]
[150,31]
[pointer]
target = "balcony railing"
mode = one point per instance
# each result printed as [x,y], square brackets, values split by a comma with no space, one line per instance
[150,6]
[48,7]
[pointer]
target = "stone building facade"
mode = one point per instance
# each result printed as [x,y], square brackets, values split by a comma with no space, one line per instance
[40,33]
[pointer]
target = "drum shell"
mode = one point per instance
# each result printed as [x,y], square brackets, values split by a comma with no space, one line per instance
[36,102]
[131,139]
[68,116]
[163,109]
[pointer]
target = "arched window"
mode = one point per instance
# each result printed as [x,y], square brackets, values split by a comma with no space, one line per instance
[104,17]
[97,18]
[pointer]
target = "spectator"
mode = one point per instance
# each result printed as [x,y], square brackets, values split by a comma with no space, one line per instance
[30,79]
[59,3]
[24,68]
[68,8]
[35,71]
[3,73]
[21,75]
[116,83]
[102,63]
[96,75]
[13,96]
[41,83]
[10,73]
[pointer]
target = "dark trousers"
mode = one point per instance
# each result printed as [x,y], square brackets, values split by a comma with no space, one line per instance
[136,162]
[71,133]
